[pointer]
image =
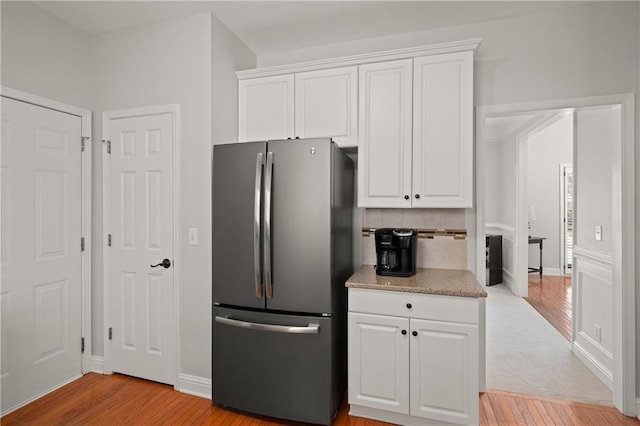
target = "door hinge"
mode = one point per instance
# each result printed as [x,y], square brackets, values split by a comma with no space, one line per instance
[109,240]
[82,244]
[82,345]
[110,333]
[108,145]
[83,141]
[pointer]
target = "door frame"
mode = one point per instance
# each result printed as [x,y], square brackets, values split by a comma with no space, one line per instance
[85,160]
[107,116]
[623,243]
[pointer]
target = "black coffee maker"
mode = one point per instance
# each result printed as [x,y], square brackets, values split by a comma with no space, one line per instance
[396,251]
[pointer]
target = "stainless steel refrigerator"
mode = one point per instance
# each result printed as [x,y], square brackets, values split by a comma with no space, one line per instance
[282,250]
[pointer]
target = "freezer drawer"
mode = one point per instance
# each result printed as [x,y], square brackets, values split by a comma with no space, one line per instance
[276,365]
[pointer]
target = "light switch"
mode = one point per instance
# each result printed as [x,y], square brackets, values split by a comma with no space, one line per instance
[193,237]
[599,233]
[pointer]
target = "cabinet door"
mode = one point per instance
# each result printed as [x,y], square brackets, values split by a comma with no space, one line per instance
[443,130]
[444,371]
[384,116]
[326,105]
[378,362]
[265,108]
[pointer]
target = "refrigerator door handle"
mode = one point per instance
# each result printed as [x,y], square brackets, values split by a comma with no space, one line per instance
[267,224]
[289,329]
[256,226]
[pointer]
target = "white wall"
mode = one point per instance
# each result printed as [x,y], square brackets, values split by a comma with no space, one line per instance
[547,149]
[595,129]
[229,54]
[585,50]
[43,55]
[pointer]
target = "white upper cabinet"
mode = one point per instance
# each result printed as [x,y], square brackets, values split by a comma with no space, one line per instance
[309,104]
[265,108]
[416,132]
[384,152]
[326,105]
[408,111]
[443,130]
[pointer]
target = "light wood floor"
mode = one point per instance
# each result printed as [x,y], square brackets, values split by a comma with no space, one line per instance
[551,297]
[121,400]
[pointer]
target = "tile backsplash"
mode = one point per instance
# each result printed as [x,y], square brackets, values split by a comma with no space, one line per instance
[443,252]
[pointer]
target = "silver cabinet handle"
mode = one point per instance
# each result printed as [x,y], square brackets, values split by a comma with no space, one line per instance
[256,226]
[290,329]
[267,224]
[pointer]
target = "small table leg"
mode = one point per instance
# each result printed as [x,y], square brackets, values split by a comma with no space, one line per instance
[540,258]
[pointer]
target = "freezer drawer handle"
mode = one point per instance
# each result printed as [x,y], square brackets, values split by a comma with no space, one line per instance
[291,329]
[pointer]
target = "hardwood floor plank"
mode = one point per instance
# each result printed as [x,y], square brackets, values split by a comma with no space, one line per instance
[487,409]
[551,297]
[121,400]
[543,412]
[537,418]
[526,413]
[518,416]
[498,409]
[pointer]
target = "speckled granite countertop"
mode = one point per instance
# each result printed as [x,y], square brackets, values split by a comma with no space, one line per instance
[448,282]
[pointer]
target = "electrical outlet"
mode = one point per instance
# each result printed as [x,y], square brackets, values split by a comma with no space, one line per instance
[598,331]
[193,237]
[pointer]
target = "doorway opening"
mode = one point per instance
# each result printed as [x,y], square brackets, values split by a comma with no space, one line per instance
[603,134]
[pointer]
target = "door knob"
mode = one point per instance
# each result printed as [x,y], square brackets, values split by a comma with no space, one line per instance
[166,263]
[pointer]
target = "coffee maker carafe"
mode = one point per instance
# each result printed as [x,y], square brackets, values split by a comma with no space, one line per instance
[396,251]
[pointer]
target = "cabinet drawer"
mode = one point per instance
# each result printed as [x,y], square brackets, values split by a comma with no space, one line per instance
[422,306]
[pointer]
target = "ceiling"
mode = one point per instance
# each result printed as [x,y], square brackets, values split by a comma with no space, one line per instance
[274,26]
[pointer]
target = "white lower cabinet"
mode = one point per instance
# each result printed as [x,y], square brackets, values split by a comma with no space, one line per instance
[378,367]
[411,367]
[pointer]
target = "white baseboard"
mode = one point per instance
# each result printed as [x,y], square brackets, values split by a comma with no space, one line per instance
[508,281]
[194,385]
[551,271]
[638,408]
[97,364]
[596,367]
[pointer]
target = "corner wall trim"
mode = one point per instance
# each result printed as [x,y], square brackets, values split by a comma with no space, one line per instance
[194,385]
[97,364]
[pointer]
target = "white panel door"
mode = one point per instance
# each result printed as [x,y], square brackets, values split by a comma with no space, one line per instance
[378,350]
[443,130]
[326,105]
[141,296]
[40,254]
[384,116]
[444,371]
[265,108]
